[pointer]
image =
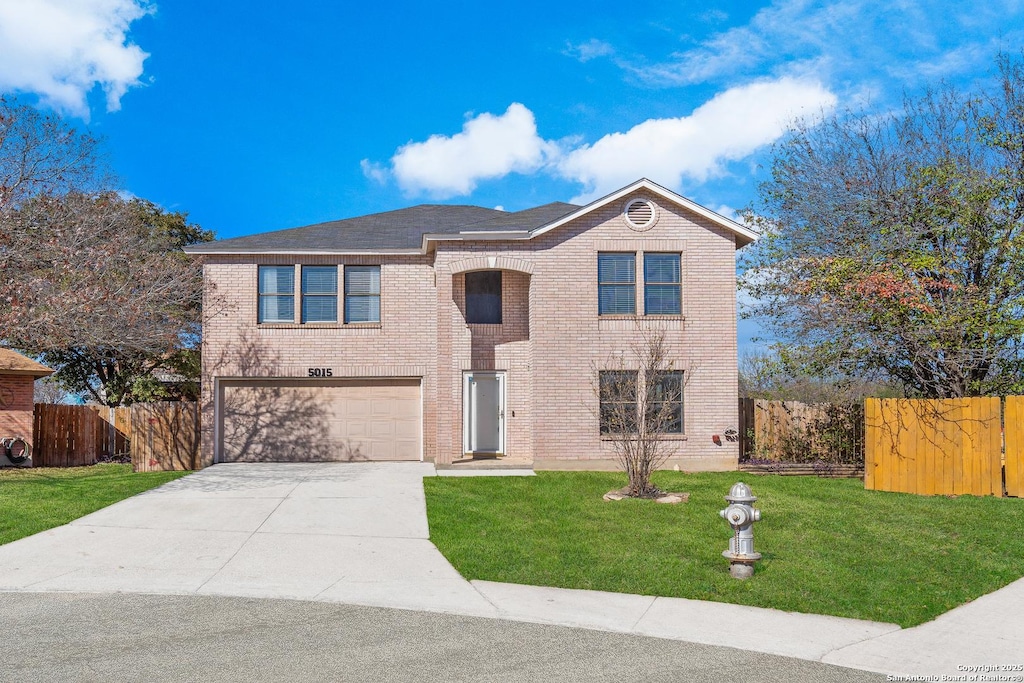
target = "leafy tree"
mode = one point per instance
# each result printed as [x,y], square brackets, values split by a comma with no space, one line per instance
[894,245]
[94,283]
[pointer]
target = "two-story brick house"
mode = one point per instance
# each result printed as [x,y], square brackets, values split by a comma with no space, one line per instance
[436,332]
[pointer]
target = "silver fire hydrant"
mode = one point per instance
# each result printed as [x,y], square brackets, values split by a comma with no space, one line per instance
[741,515]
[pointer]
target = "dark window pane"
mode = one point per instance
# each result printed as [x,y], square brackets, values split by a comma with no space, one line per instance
[319,279]
[277,279]
[277,309]
[662,300]
[664,412]
[618,401]
[616,300]
[483,297]
[661,268]
[362,279]
[320,309]
[616,268]
[362,309]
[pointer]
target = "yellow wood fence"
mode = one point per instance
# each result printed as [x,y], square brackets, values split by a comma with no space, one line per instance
[944,447]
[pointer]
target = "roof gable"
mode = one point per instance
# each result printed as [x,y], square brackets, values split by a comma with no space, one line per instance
[744,235]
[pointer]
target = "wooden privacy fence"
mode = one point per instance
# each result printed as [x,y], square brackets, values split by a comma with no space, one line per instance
[165,436]
[795,432]
[70,436]
[155,435]
[945,447]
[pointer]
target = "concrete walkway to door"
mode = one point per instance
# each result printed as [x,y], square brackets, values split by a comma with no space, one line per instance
[339,532]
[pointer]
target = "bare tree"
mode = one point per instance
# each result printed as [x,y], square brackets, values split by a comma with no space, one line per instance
[775,375]
[640,400]
[49,390]
[94,283]
[98,287]
[40,154]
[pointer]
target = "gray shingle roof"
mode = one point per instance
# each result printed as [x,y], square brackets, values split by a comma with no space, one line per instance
[401,229]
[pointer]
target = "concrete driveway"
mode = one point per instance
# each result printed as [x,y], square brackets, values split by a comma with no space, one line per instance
[354,533]
[335,532]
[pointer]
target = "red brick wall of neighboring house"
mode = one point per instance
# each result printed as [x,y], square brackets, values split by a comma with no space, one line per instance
[16,407]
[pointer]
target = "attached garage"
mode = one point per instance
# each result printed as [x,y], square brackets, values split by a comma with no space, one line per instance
[295,420]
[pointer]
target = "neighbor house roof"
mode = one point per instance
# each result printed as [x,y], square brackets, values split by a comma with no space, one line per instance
[14,363]
[411,230]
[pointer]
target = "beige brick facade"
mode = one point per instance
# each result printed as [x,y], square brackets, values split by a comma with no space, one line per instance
[550,344]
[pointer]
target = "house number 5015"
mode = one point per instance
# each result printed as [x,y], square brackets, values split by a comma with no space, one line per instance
[320,372]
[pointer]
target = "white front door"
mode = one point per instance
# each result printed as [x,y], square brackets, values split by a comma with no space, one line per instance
[484,412]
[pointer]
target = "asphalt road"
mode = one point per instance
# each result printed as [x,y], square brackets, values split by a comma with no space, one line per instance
[124,637]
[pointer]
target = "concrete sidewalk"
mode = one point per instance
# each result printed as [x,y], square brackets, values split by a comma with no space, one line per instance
[357,534]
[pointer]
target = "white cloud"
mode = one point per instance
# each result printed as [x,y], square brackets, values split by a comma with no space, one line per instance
[489,146]
[839,42]
[730,126]
[62,49]
[374,171]
[591,49]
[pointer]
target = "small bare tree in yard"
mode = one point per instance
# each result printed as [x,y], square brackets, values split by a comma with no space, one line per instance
[640,406]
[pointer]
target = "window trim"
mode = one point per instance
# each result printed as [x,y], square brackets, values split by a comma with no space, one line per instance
[604,428]
[347,295]
[639,383]
[305,295]
[601,284]
[680,400]
[261,295]
[501,293]
[640,285]
[678,284]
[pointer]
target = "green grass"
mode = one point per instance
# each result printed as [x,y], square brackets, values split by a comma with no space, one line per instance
[36,499]
[829,546]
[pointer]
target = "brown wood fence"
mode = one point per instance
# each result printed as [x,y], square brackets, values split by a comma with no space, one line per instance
[165,436]
[155,435]
[942,447]
[791,431]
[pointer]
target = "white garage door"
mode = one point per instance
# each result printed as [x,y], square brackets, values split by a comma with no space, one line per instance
[319,420]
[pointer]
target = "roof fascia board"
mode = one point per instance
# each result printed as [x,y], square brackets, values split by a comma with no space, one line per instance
[307,252]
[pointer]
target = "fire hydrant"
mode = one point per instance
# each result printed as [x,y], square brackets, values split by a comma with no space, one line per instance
[741,515]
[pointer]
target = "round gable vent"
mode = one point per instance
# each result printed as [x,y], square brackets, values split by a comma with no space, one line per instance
[640,214]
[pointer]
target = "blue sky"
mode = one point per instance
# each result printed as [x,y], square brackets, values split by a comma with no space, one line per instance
[253,116]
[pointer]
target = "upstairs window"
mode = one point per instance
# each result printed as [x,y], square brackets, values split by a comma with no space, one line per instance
[277,294]
[362,294]
[483,297]
[662,284]
[616,284]
[319,294]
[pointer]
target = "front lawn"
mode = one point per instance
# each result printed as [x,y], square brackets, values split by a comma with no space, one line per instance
[36,499]
[829,546]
